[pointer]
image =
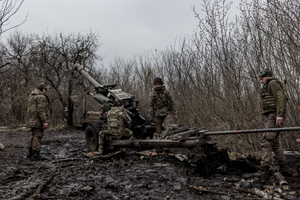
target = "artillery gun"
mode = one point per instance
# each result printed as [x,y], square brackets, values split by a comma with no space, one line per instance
[203,151]
[107,94]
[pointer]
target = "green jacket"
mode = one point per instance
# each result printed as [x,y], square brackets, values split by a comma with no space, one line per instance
[274,97]
[161,103]
[117,120]
[38,109]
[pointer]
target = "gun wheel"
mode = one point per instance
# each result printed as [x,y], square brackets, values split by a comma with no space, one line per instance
[92,135]
[197,150]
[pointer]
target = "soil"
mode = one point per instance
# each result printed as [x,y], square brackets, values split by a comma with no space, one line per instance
[69,174]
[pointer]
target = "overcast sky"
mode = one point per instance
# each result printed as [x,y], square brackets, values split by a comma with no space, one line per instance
[126,27]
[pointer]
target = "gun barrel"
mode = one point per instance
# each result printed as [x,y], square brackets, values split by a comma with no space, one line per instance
[155,143]
[80,69]
[252,131]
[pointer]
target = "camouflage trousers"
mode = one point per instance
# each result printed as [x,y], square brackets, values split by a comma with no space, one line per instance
[36,138]
[113,134]
[270,142]
[159,123]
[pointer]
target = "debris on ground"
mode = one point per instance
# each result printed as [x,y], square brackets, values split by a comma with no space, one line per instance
[71,172]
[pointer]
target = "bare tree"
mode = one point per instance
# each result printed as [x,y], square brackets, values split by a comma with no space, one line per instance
[8,9]
[54,59]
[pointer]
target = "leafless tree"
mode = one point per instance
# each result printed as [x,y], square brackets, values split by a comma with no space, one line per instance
[56,54]
[8,9]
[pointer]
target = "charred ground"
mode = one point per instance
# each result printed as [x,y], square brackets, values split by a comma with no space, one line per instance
[68,174]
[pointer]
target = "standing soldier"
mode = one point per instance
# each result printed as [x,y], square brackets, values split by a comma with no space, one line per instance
[38,112]
[118,123]
[161,108]
[274,100]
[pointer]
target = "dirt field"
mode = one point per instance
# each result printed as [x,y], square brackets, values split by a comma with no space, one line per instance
[68,174]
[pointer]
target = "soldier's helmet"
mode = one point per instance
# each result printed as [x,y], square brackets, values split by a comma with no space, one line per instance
[118,102]
[265,73]
[105,107]
[42,86]
[158,80]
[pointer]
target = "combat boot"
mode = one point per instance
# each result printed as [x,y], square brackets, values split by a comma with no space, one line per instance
[36,156]
[286,171]
[264,174]
[29,152]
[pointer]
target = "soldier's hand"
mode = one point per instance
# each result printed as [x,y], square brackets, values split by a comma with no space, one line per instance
[298,140]
[279,121]
[45,125]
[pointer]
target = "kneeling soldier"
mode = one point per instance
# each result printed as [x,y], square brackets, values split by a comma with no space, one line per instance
[118,122]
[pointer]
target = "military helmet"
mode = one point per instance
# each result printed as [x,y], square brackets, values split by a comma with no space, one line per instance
[265,73]
[158,80]
[118,102]
[42,86]
[105,107]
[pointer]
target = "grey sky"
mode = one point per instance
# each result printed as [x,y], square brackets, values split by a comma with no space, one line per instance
[126,27]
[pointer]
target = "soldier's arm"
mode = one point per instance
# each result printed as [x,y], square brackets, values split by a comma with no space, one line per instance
[151,109]
[126,118]
[42,106]
[172,104]
[280,98]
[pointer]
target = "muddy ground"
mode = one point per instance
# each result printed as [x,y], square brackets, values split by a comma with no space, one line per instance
[68,174]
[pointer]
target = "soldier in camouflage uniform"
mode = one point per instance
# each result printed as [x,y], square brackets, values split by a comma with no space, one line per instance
[38,112]
[117,122]
[161,108]
[274,100]
[105,108]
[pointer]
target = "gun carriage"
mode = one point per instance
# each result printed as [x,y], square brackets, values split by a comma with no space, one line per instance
[203,151]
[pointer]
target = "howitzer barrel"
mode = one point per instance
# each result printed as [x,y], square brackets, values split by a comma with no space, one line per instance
[80,69]
[99,88]
[155,143]
[252,131]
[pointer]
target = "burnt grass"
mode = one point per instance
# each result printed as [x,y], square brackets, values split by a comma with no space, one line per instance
[68,174]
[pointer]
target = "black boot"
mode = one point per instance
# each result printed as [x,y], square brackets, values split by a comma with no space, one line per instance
[36,155]
[286,171]
[29,152]
[264,174]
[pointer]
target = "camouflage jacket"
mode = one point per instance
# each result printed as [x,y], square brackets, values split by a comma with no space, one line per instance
[274,97]
[161,103]
[38,109]
[117,120]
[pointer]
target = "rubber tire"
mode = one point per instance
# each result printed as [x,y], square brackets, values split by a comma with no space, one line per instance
[92,136]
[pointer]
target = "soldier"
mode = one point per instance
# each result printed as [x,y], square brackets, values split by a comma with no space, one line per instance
[38,113]
[274,100]
[118,123]
[105,108]
[161,108]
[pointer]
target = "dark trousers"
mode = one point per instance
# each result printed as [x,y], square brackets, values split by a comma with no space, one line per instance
[35,142]
[270,142]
